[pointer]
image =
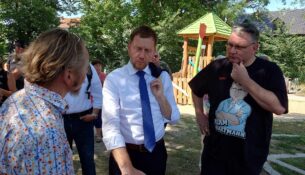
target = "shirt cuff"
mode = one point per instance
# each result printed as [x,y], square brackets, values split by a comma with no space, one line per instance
[114,142]
[175,117]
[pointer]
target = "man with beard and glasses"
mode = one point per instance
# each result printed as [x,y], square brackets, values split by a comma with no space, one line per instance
[80,117]
[244,91]
[32,138]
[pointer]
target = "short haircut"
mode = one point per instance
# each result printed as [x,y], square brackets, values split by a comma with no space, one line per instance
[50,54]
[246,27]
[96,61]
[144,32]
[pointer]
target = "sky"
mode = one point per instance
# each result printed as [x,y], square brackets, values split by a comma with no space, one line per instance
[276,5]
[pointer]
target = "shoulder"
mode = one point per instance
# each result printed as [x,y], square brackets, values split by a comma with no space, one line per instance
[165,75]
[219,64]
[268,65]
[117,75]
[216,66]
[117,72]
[14,103]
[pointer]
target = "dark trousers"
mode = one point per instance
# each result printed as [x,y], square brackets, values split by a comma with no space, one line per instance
[98,121]
[212,166]
[153,163]
[83,135]
[236,164]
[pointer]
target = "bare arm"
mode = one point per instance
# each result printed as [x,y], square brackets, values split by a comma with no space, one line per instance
[11,82]
[5,93]
[16,73]
[157,90]
[202,119]
[265,98]
[92,116]
[122,158]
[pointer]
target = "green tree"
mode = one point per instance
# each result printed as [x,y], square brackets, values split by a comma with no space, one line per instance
[106,25]
[28,18]
[287,51]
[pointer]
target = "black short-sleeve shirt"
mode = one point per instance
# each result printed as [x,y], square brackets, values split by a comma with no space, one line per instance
[215,81]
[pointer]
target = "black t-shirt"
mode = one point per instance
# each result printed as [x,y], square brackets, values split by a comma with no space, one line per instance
[215,80]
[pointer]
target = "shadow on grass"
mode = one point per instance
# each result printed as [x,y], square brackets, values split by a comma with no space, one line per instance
[183,142]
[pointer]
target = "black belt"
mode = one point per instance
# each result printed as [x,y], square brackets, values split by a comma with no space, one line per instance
[77,115]
[141,148]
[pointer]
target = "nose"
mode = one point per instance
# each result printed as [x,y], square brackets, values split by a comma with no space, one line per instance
[142,54]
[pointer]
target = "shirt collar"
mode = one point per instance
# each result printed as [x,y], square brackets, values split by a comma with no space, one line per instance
[131,70]
[47,95]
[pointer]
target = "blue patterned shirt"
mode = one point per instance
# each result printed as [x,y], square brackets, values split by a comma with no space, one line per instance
[32,137]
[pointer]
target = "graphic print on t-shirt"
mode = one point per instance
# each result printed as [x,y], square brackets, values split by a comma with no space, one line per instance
[232,113]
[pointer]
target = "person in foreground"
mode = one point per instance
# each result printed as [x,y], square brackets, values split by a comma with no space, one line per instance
[33,139]
[244,91]
[135,106]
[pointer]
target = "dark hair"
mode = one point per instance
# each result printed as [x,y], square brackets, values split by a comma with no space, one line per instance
[20,43]
[144,32]
[96,61]
[247,27]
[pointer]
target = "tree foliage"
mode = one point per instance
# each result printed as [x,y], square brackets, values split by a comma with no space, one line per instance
[106,25]
[28,18]
[287,51]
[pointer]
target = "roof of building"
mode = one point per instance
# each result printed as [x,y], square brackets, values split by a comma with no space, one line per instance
[66,23]
[294,20]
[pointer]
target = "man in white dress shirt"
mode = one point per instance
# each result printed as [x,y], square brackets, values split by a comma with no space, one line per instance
[79,119]
[123,130]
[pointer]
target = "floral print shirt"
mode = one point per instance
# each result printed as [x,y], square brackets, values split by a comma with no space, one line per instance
[32,135]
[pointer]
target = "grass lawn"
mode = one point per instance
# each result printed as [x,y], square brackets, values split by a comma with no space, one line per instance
[297,162]
[288,145]
[183,142]
[283,170]
[183,147]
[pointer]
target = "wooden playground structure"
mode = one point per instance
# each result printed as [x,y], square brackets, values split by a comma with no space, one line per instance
[205,30]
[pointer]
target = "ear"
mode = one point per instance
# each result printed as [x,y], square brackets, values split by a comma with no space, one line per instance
[129,45]
[68,78]
[255,47]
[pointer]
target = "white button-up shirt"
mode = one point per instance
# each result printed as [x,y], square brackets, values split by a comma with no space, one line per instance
[81,102]
[122,112]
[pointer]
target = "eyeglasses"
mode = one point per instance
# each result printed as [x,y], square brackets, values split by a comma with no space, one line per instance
[237,47]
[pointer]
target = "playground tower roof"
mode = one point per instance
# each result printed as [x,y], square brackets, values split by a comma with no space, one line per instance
[215,26]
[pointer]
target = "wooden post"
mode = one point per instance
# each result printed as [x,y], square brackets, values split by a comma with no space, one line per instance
[184,86]
[179,101]
[175,80]
[202,30]
[185,57]
[210,49]
[189,92]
